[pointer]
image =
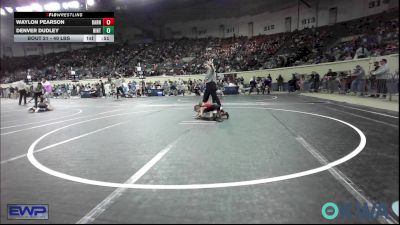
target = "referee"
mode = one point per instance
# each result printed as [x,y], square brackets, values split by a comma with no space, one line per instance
[22,91]
[210,80]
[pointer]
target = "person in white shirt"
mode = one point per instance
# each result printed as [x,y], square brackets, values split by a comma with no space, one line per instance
[107,89]
[361,52]
[382,74]
[22,91]
[78,90]
[180,82]
[118,86]
[70,88]
[125,87]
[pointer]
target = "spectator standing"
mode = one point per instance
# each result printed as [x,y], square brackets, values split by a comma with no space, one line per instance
[268,84]
[190,85]
[358,84]
[11,94]
[292,83]
[253,85]
[314,80]
[301,83]
[118,86]
[103,91]
[70,89]
[382,74]
[372,87]
[74,91]
[7,92]
[78,89]
[280,82]
[331,76]
[107,89]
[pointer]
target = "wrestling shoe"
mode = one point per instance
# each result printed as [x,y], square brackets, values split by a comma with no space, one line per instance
[218,119]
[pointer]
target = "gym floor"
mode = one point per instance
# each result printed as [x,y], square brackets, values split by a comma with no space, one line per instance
[277,159]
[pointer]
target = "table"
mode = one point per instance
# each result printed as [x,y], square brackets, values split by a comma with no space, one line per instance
[231,90]
[155,92]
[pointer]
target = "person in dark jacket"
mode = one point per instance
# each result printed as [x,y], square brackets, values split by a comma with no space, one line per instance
[37,92]
[280,82]
[293,83]
[316,80]
[268,84]
[253,85]
[331,76]
[103,91]
[372,87]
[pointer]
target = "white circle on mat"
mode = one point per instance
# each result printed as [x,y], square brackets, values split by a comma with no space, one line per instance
[356,151]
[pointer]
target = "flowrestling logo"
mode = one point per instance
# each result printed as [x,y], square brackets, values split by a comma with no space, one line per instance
[357,211]
[27,212]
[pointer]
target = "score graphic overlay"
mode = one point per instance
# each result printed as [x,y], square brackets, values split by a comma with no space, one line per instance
[64,26]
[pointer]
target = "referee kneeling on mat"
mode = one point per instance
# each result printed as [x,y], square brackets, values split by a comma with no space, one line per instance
[210,80]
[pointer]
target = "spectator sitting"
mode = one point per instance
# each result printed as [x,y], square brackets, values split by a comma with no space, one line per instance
[361,52]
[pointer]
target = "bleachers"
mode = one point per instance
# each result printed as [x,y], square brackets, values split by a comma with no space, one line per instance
[379,33]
